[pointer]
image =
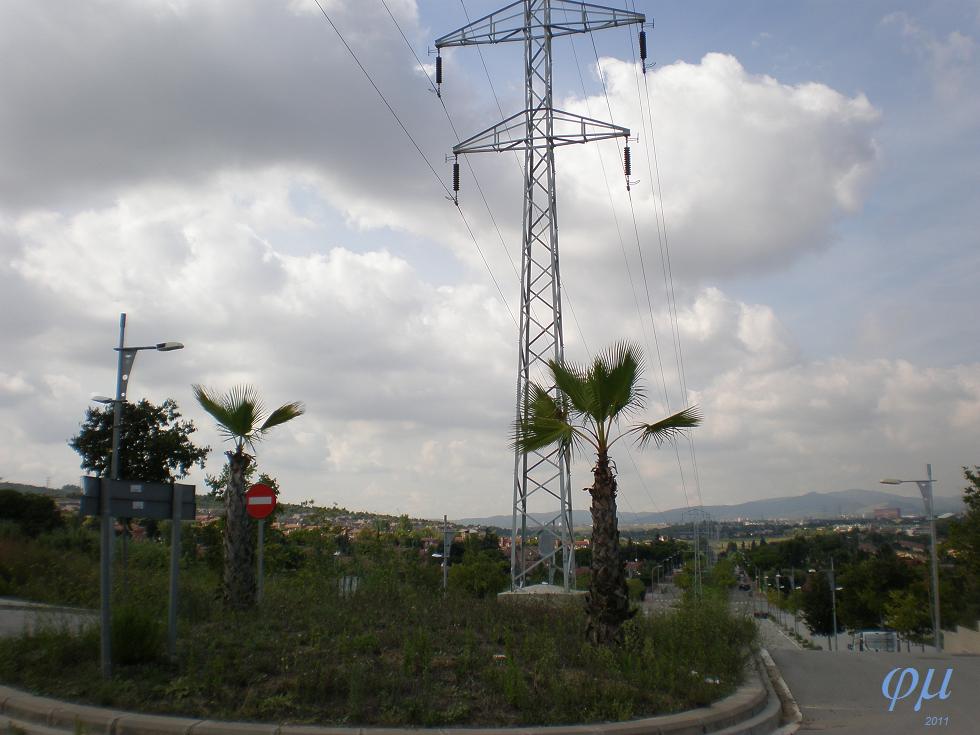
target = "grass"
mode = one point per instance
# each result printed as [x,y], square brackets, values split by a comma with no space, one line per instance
[397,652]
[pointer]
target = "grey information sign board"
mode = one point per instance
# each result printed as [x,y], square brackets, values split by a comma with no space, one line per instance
[135,499]
[546,543]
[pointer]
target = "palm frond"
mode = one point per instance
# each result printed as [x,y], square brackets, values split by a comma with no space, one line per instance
[623,390]
[238,412]
[614,379]
[286,412]
[669,428]
[545,422]
[216,406]
[570,380]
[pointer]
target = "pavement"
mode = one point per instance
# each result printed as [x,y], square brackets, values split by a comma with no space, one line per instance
[19,616]
[843,691]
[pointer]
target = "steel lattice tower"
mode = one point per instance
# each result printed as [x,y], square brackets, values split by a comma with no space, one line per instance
[538,130]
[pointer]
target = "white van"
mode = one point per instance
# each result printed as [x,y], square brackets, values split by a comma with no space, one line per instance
[876,640]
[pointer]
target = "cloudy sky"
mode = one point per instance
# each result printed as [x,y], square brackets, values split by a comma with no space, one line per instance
[225,174]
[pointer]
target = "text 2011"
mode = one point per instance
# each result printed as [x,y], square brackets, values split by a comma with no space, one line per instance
[940,721]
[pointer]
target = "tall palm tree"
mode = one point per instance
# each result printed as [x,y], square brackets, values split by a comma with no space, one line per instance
[585,411]
[241,419]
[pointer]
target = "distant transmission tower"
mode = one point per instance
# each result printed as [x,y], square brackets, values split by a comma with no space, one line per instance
[538,130]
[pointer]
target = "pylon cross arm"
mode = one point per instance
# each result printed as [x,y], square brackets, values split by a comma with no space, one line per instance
[511,134]
[509,23]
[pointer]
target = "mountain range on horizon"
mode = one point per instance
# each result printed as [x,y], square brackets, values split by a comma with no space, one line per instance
[853,503]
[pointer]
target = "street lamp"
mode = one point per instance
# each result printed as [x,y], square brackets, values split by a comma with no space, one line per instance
[925,489]
[833,602]
[127,355]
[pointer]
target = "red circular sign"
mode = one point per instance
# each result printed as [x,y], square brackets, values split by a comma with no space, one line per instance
[260,501]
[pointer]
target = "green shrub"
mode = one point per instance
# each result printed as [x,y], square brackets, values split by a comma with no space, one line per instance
[44,655]
[34,513]
[398,653]
[33,571]
[484,574]
[417,652]
[138,635]
[637,590]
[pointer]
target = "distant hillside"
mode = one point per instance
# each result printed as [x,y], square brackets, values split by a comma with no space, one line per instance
[854,503]
[51,492]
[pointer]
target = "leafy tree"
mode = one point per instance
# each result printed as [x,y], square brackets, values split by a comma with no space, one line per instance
[480,574]
[867,583]
[584,410]
[219,483]
[154,443]
[907,611]
[34,514]
[964,544]
[722,574]
[817,605]
[241,417]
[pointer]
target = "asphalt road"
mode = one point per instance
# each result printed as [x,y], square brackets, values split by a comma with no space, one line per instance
[842,692]
[18,616]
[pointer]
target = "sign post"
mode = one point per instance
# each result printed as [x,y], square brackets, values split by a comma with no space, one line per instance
[110,498]
[260,501]
[174,570]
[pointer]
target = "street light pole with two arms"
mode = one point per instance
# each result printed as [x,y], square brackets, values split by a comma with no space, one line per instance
[126,357]
[925,489]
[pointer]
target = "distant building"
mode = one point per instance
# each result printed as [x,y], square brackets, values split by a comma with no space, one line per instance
[882,514]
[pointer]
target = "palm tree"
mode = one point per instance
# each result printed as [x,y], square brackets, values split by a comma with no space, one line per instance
[241,419]
[585,410]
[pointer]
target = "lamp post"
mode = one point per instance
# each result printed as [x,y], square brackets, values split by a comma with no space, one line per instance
[925,489]
[126,357]
[833,602]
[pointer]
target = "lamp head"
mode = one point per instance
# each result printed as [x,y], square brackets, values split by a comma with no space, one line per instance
[168,346]
[103,399]
[891,481]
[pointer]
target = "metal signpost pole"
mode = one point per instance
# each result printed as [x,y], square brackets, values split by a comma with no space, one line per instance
[261,579]
[177,500]
[260,502]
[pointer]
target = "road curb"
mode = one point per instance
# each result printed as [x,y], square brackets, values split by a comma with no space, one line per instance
[791,709]
[11,603]
[21,712]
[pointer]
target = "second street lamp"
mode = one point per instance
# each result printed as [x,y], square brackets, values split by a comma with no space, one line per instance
[127,355]
[925,489]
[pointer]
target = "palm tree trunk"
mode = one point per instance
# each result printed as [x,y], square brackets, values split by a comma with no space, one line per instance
[607,603]
[239,581]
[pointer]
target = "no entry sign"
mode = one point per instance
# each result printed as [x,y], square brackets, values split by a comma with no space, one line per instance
[260,501]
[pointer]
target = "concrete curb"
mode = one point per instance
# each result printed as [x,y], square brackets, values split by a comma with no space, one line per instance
[12,603]
[742,713]
[791,710]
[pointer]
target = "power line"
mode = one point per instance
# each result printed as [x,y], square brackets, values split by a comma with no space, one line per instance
[663,378]
[452,125]
[612,206]
[418,148]
[661,220]
[636,232]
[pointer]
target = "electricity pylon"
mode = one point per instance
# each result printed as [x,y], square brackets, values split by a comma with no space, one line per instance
[538,130]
